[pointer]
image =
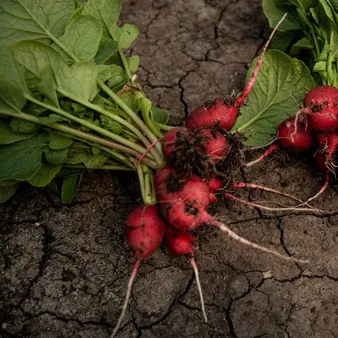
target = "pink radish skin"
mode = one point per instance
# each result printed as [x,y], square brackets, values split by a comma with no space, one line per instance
[144,230]
[183,244]
[214,144]
[209,115]
[320,159]
[292,134]
[171,139]
[214,184]
[181,188]
[296,140]
[322,102]
[329,142]
[180,243]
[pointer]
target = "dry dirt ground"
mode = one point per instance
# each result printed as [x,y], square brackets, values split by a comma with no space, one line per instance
[64,268]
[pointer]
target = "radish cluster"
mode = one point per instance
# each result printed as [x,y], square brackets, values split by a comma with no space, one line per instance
[198,158]
[313,128]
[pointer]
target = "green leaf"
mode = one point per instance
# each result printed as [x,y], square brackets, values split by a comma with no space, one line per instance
[56,157]
[21,160]
[107,12]
[81,38]
[6,192]
[134,62]
[114,74]
[58,141]
[111,125]
[6,183]
[44,175]
[278,93]
[300,45]
[34,20]
[107,49]
[12,88]
[282,40]
[329,11]
[275,9]
[77,81]
[95,160]
[7,136]
[20,126]
[70,186]
[334,4]
[160,115]
[320,66]
[126,35]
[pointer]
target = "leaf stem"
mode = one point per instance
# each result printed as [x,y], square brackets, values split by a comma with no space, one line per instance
[88,124]
[125,63]
[77,134]
[103,167]
[158,158]
[127,110]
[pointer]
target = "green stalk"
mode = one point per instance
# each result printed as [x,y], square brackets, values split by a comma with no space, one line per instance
[148,184]
[103,167]
[164,127]
[145,197]
[89,125]
[127,110]
[125,63]
[122,121]
[82,136]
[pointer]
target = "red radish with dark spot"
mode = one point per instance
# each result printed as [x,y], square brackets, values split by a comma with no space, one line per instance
[321,103]
[172,139]
[182,243]
[214,144]
[144,230]
[214,184]
[184,213]
[221,112]
[293,134]
[171,186]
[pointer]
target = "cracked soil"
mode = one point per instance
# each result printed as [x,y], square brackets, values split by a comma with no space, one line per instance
[64,268]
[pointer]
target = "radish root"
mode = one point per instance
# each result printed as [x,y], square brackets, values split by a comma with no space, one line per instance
[126,300]
[242,240]
[232,197]
[194,266]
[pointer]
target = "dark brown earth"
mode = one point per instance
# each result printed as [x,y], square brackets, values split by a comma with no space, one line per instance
[64,268]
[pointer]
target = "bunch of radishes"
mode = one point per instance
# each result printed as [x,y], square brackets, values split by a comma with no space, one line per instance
[194,177]
[315,126]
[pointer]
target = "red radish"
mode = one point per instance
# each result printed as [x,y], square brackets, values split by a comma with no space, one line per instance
[214,184]
[214,144]
[321,103]
[219,112]
[171,186]
[172,141]
[292,134]
[223,113]
[320,159]
[184,213]
[183,244]
[144,230]
[329,143]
